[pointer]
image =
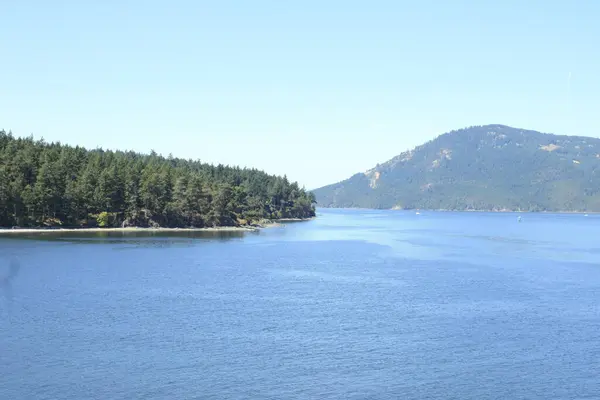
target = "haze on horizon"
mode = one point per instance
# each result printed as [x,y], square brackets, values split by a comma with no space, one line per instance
[314,90]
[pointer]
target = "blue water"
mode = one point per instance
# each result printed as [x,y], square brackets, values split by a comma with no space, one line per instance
[353,305]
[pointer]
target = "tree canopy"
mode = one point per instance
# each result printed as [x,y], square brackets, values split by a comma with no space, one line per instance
[50,184]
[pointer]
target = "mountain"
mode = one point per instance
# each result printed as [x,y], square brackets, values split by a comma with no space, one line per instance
[49,184]
[491,167]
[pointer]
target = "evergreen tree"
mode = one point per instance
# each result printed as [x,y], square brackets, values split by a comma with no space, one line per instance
[50,184]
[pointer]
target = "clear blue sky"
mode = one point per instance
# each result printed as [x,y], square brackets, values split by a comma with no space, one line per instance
[315,89]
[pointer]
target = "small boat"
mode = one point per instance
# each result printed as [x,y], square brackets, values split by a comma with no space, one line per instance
[519,219]
[418,213]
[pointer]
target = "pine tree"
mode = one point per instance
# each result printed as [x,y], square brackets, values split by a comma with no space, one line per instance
[51,184]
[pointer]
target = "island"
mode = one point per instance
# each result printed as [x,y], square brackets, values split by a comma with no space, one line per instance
[51,185]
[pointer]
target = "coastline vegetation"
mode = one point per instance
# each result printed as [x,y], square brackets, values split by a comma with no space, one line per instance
[54,185]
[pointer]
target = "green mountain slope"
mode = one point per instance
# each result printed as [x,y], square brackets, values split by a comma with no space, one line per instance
[492,167]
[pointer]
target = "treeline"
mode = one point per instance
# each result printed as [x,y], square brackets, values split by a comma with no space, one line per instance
[49,184]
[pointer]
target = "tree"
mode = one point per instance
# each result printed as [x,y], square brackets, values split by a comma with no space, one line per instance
[222,207]
[103,219]
[5,217]
[49,183]
[196,203]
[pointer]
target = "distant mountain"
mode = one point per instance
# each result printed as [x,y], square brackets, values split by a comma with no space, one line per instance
[492,167]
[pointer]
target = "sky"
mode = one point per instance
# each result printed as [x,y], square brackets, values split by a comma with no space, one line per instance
[316,90]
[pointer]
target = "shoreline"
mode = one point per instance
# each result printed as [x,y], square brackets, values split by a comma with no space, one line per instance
[293,219]
[5,231]
[503,211]
[249,228]
[459,211]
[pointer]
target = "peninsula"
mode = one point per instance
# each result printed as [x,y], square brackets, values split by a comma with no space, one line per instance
[51,185]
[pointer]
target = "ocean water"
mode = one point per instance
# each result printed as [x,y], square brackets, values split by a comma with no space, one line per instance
[353,305]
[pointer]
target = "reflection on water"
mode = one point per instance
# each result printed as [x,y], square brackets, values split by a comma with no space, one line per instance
[8,274]
[141,237]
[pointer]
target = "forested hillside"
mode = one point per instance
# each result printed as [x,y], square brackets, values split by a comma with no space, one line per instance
[492,167]
[49,184]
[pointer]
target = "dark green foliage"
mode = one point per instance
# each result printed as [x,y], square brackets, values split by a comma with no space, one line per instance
[49,184]
[491,167]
